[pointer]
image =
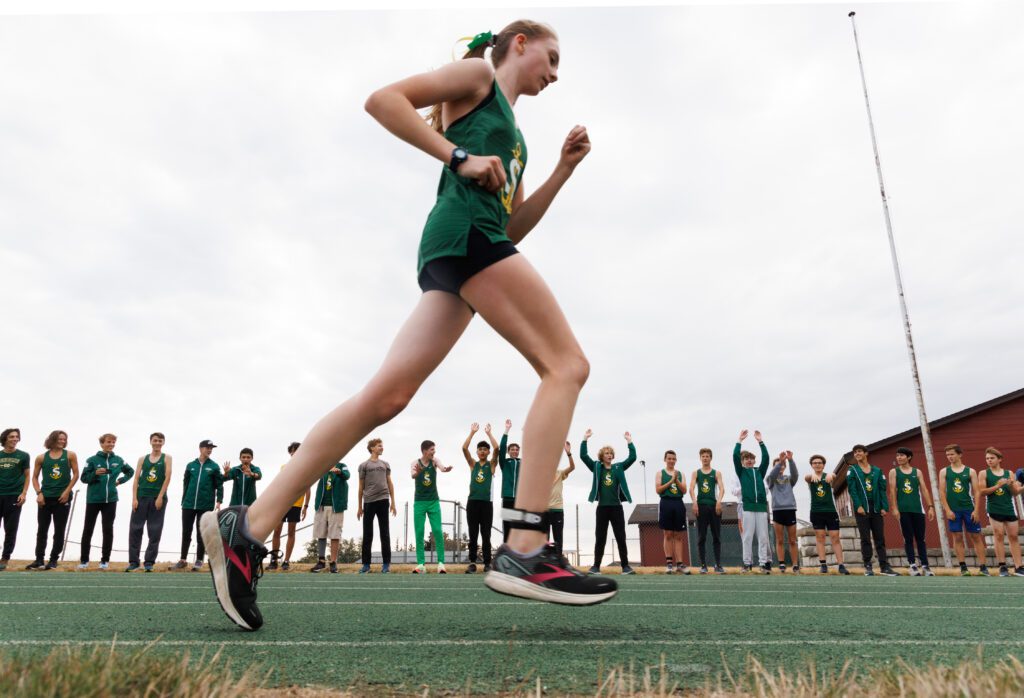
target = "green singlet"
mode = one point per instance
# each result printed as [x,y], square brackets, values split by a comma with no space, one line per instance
[480,482]
[908,491]
[56,474]
[151,479]
[822,500]
[426,483]
[490,129]
[1001,501]
[672,492]
[958,490]
[707,486]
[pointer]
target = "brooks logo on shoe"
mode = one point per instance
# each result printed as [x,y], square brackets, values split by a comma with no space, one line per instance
[245,569]
[555,573]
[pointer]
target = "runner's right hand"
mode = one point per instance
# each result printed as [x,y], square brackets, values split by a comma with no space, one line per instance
[486,170]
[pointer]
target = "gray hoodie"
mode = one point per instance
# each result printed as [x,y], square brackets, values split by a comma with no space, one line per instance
[780,484]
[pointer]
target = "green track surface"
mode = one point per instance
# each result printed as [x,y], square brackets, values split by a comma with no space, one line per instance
[400,632]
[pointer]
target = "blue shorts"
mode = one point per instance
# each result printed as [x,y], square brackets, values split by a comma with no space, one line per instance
[963,519]
[671,514]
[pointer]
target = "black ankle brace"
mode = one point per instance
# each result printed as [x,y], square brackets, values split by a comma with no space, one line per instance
[529,520]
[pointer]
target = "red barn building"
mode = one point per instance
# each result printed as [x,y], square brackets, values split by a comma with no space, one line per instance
[998,422]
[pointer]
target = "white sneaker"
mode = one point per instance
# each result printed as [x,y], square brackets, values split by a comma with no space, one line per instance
[83,565]
[441,569]
[420,569]
[104,565]
[915,571]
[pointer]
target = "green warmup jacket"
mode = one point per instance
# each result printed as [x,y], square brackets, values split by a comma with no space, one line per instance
[337,485]
[103,488]
[618,473]
[509,470]
[868,491]
[243,489]
[752,480]
[200,482]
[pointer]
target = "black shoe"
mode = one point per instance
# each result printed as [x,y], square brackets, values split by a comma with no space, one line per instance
[320,565]
[51,565]
[888,571]
[3,563]
[983,571]
[719,570]
[132,567]
[285,566]
[37,565]
[273,565]
[629,570]
[179,565]
[842,569]
[487,567]
[1003,572]
[334,567]
[703,569]
[782,568]
[471,568]
[745,569]
[1019,572]
[796,569]
[823,568]
[869,570]
[964,572]
[236,563]
[766,568]
[546,576]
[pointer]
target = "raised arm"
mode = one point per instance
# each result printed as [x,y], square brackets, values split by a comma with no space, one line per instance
[587,460]
[572,463]
[494,447]
[631,456]
[765,458]
[465,445]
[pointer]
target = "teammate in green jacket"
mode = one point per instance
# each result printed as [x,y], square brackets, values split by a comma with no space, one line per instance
[755,502]
[203,480]
[609,489]
[103,473]
[329,514]
[243,478]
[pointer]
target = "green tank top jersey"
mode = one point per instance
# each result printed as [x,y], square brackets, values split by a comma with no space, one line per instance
[480,482]
[152,476]
[908,491]
[672,492]
[56,474]
[1001,501]
[426,483]
[958,490]
[490,129]
[822,501]
[707,486]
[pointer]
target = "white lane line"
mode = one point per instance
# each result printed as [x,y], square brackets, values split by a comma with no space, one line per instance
[327,602]
[504,643]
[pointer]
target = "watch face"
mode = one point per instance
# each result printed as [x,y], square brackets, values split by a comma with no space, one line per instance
[460,154]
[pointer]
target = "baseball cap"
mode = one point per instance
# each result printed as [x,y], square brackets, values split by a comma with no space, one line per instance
[206,443]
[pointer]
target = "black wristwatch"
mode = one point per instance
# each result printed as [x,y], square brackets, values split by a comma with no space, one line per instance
[459,156]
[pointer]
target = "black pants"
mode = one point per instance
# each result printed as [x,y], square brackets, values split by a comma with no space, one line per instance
[108,511]
[556,525]
[51,509]
[912,525]
[706,516]
[10,514]
[377,509]
[190,518]
[613,514]
[480,515]
[148,517]
[872,526]
[506,503]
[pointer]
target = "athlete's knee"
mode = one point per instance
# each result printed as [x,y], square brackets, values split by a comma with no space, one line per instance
[573,369]
[385,406]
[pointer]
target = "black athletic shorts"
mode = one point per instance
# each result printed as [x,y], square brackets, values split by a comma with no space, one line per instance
[1004,518]
[671,514]
[449,273]
[825,520]
[784,517]
[294,515]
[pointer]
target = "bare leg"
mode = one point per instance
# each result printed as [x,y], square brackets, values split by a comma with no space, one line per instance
[335,543]
[678,536]
[793,552]
[837,546]
[424,340]
[513,299]
[1013,533]
[290,545]
[979,547]
[958,547]
[997,539]
[277,536]
[780,543]
[667,542]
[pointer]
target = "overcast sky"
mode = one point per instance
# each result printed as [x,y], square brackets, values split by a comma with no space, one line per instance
[203,233]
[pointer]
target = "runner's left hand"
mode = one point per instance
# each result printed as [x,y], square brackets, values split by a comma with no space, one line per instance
[575,147]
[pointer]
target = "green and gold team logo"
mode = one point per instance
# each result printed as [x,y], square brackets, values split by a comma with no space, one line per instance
[999,492]
[151,477]
[480,475]
[330,484]
[820,492]
[705,486]
[671,489]
[426,478]
[55,473]
[607,479]
[907,489]
[867,485]
[958,486]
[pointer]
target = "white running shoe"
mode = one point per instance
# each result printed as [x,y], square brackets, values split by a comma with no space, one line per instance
[420,569]
[83,565]
[915,571]
[104,565]
[441,569]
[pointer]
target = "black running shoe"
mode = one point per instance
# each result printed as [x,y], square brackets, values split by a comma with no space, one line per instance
[546,576]
[823,568]
[320,565]
[471,568]
[842,570]
[37,565]
[236,563]
[1003,572]
[1018,572]
[334,567]
[983,571]
[51,565]
[888,571]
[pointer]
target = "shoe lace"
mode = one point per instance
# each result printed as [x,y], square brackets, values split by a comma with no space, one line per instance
[259,569]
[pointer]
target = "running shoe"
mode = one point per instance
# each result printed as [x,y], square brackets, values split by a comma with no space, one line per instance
[420,569]
[441,569]
[683,570]
[546,576]
[236,563]
[386,569]
[1003,572]
[334,567]
[3,564]
[915,571]
[179,565]
[983,571]
[37,565]
[273,564]
[669,568]
[888,571]
[719,570]
[1019,572]
[147,568]
[594,569]
[365,569]
[766,568]
[104,565]
[782,568]
[823,568]
[964,572]
[796,569]
[285,566]
[320,565]
[471,568]
[703,569]
[132,567]
[928,571]
[51,565]
[83,566]
[627,570]
[869,571]
[842,569]
[487,567]
[198,566]
[746,568]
